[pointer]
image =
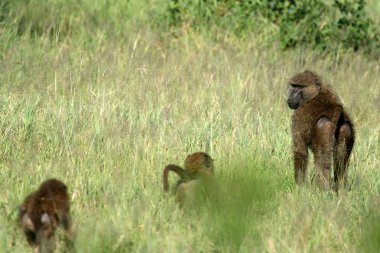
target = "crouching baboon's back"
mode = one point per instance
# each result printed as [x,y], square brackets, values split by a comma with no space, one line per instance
[199,169]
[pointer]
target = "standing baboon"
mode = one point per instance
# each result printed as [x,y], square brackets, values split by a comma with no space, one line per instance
[320,123]
[42,212]
[198,168]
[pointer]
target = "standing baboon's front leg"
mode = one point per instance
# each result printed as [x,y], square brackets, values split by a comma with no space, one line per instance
[342,153]
[300,160]
[323,151]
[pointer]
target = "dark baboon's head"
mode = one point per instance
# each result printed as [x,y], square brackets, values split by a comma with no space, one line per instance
[302,87]
[199,162]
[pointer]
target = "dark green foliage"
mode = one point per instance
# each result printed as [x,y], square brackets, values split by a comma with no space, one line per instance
[341,24]
[354,27]
[314,23]
[304,22]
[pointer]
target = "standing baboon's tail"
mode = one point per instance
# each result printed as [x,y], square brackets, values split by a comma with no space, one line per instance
[171,167]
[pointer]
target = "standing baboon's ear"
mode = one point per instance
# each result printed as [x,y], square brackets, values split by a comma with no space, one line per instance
[27,222]
[318,83]
[45,219]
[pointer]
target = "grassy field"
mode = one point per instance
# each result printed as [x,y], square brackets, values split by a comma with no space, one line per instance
[106,115]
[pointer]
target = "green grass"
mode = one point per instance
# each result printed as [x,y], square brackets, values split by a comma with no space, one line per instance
[106,116]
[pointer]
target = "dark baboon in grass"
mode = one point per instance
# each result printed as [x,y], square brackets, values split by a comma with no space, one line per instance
[42,212]
[198,168]
[319,122]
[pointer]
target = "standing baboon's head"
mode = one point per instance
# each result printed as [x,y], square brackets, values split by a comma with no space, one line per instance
[302,87]
[199,162]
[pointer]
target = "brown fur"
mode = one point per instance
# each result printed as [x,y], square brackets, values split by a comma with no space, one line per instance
[198,166]
[42,212]
[320,123]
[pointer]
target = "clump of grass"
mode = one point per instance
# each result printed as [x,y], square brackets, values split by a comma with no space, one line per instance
[245,196]
[370,240]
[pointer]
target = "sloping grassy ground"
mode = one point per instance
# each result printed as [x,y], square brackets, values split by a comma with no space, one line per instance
[106,116]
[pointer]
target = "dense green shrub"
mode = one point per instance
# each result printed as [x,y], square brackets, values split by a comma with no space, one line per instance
[343,23]
[315,23]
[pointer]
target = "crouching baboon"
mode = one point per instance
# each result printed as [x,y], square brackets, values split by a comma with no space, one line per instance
[199,168]
[42,212]
[320,123]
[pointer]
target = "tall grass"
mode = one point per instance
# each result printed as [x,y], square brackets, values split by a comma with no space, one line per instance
[107,115]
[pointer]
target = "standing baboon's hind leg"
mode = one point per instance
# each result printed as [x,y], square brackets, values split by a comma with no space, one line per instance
[342,151]
[323,151]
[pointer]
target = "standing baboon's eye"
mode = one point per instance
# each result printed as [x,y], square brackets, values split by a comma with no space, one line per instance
[297,86]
